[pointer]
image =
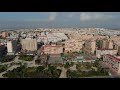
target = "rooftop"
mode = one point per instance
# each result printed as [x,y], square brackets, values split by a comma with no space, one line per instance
[113,57]
[104,49]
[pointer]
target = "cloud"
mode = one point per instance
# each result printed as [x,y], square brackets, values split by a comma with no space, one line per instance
[94,16]
[52,16]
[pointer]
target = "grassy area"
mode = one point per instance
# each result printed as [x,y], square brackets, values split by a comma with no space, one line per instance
[8,58]
[3,68]
[26,57]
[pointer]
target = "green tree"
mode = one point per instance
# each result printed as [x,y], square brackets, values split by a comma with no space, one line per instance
[40,68]
[67,65]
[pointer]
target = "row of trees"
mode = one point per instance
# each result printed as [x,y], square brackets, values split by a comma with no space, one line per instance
[8,58]
[26,57]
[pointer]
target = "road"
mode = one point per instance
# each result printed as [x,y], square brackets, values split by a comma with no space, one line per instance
[73,67]
[63,73]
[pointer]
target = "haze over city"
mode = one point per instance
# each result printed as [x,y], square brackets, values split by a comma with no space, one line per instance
[59,19]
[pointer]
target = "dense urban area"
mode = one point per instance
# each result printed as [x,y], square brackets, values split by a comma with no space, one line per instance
[60,53]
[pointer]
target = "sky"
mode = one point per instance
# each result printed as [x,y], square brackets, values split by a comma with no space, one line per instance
[61,19]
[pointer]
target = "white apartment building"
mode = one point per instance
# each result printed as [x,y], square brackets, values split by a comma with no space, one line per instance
[11,46]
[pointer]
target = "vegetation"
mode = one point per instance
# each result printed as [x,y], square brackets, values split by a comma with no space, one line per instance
[87,70]
[26,57]
[98,43]
[38,61]
[72,74]
[3,68]
[18,41]
[67,65]
[8,58]
[15,63]
[33,72]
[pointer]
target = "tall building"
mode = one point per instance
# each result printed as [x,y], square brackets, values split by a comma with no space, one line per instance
[110,44]
[2,51]
[11,46]
[29,44]
[106,44]
[89,46]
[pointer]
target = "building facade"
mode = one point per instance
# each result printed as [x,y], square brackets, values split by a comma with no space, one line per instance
[89,47]
[101,52]
[11,46]
[2,51]
[112,63]
[73,45]
[51,49]
[29,44]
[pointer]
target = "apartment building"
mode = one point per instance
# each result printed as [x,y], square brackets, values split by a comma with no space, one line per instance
[73,45]
[112,62]
[29,44]
[89,46]
[2,51]
[11,46]
[101,52]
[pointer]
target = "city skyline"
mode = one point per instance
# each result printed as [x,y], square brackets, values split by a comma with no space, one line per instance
[59,19]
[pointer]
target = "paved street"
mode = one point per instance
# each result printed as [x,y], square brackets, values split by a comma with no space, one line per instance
[63,73]
[73,67]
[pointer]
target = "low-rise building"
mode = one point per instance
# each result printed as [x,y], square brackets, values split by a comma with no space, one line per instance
[42,38]
[101,52]
[55,37]
[112,62]
[51,49]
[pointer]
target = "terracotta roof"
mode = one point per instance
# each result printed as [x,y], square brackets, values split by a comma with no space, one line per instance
[113,57]
[104,49]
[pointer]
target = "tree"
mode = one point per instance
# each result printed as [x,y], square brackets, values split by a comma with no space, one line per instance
[38,61]
[18,41]
[62,54]
[67,65]
[40,68]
